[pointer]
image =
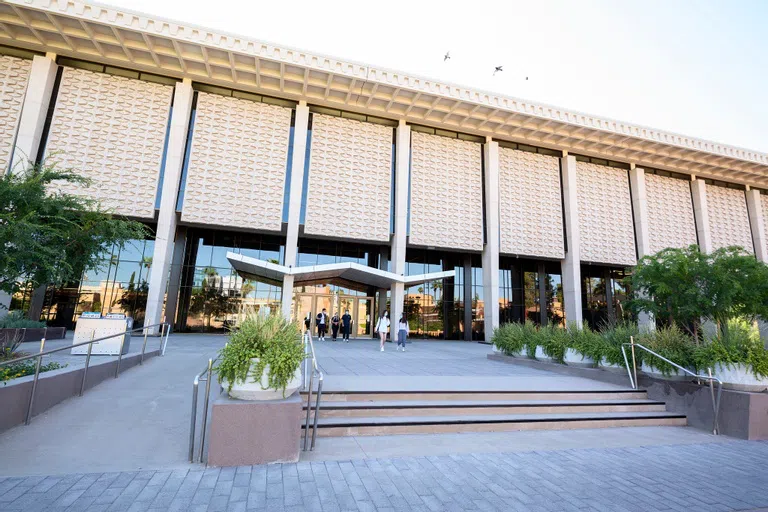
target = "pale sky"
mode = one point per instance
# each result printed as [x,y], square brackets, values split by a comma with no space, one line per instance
[695,67]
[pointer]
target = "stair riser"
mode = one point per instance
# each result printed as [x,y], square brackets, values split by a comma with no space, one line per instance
[497,427]
[453,411]
[373,397]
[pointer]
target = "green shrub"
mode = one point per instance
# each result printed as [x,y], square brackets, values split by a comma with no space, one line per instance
[740,343]
[17,320]
[510,338]
[554,340]
[670,342]
[531,335]
[587,342]
[24,368]
[613,336]
[273,340]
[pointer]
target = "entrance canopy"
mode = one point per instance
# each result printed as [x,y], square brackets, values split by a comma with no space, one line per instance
[352,275]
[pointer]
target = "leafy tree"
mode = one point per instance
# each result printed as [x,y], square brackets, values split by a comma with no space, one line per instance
[51,237]
[685,286]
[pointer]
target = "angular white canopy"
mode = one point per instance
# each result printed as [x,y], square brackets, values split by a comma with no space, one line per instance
[338,273]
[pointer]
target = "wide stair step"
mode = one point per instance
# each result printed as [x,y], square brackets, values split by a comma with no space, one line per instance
[370,413]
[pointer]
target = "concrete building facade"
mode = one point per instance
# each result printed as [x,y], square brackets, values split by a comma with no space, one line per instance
[221,143]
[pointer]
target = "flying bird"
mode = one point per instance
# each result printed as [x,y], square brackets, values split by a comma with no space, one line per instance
[447,56]
[497,69]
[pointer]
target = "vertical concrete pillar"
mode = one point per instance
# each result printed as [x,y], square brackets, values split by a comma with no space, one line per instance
[699,195]
[5,304]
[174,281]
[571,265]
[467,298]
[400,237]
[34,110]
[757,221]
[492,235]
[166,220]
[300,127]
[640,210]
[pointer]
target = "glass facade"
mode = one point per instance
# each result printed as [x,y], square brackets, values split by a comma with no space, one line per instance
[604,292]
[522,284]
[212,296]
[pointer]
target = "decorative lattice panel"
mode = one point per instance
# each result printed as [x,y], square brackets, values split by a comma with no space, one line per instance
[728,218]
[670,213]
[14,76]
[605,215]
[111,129]
[446,192]
[530,204]
[236,174]
[350,179]
[764,199]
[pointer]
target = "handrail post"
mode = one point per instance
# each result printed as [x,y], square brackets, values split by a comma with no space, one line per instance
[714,405]
[144,346]
[193,421]
[205,408]
[309,408]
[165,343]
[120,355]
[317,411]
[87,362]
[626,364]
[34,382]
[634,361]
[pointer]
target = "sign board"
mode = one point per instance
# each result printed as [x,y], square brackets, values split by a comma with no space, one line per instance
[118,316]
[94,328]
[90,314]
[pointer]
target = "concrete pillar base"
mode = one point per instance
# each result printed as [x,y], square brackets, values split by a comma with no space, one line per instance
[245,432]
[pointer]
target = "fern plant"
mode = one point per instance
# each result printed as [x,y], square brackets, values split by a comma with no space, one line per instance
[273,340]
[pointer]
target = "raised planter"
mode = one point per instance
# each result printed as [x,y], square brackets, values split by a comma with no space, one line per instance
[653,372]
[253,389]
[739,377]
[605,365]
[574,358]
[36,333]
[540,355]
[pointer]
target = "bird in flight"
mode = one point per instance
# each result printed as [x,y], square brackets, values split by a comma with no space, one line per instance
[497,69]
[447,56]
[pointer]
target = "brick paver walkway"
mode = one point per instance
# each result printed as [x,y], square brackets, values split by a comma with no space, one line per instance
[702,477]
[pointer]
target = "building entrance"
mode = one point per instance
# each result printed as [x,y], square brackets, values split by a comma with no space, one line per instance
[360,308]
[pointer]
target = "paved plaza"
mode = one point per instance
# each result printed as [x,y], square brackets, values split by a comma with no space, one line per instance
[123,446]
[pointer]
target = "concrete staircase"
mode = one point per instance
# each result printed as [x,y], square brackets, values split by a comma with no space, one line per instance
[366,413]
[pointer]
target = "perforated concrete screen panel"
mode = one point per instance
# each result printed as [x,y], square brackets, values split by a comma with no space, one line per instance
[764,199]
[350,179]
[446,192]
[670,212]
[237,163]
[112,130]
[728,218]
[530,205]
[14,75]
[605,215]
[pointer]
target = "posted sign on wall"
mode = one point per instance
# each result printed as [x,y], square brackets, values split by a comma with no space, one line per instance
[94,328]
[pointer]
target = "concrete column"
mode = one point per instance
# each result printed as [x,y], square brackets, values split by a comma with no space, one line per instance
[166,221]
[571,265]
[174,282]
[467,298]
[756,220]
[34,110]
[640,209]
[301,124]
[699,195]
[5,304]
[399,240]
[492,235]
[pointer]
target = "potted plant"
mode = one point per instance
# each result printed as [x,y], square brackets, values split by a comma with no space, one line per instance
[612,339]
[585,347]
[553,342]
[262,360]
[736,356]
[510,339]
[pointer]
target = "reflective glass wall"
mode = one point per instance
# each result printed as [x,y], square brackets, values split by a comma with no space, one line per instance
[604,293]
[522,284]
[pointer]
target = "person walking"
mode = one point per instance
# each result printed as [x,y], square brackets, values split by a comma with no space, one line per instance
[334,326]
[308,322]
[322,324]
[381,327]
[346,325]
[402,331]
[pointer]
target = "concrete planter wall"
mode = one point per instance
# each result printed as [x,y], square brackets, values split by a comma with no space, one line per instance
[252,389]
[574,358]
[540,355]
[739,376]
[36,333]
[656,374]
[605,365]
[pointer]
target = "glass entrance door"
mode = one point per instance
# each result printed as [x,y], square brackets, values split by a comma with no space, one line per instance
[364,316]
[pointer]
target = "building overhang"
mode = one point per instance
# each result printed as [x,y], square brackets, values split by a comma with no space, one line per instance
[348,274]
[120,37]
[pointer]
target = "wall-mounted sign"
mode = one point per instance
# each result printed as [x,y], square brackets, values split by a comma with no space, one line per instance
[90,314]
[117,316]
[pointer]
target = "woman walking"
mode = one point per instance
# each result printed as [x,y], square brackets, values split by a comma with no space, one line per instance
[381,328]
[402,331]
[334,326]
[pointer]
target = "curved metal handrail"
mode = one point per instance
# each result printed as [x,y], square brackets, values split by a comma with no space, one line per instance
[309,350]
[205,376]
[165,330]
[710,378]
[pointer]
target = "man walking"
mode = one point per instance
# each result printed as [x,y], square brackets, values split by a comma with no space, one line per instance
[346,325]
[322,324]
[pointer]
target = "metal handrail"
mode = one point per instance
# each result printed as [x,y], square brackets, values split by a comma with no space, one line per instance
[163,332]
[204,376]
[309,350]
[710,378]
